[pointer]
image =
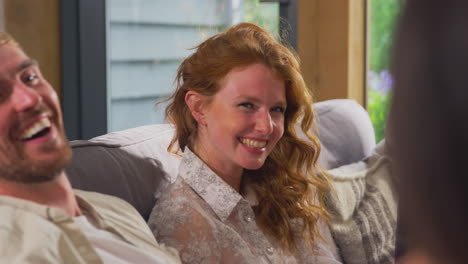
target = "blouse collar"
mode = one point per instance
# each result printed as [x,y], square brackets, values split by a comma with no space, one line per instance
[219,195]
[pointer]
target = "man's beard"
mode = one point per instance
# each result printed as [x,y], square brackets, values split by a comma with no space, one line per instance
[21,168]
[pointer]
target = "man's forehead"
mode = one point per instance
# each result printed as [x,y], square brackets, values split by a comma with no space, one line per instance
[13,59]
[10,49]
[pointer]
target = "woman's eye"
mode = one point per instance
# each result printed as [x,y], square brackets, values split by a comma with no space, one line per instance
[246,105]
[278,109]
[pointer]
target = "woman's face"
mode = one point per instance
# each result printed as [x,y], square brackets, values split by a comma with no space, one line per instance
[242,123]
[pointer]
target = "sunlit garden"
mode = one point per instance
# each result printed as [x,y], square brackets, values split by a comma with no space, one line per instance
[379,79]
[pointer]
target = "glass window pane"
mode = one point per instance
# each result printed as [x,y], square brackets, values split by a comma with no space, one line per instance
[383,14]
[264,14]
[147,39]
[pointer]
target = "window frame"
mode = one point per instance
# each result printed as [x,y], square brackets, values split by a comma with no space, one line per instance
[84,67]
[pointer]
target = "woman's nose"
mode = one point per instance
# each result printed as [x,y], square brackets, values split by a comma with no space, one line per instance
[263,123]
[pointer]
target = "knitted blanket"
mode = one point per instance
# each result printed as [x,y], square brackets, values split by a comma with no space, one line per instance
[364,209]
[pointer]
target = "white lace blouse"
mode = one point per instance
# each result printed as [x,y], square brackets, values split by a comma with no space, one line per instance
[209,222]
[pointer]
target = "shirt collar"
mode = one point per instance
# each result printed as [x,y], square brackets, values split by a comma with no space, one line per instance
[88,209]
[49,212]
[219,195]
[26,205]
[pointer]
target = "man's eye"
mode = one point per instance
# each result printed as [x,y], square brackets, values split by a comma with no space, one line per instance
[31,78]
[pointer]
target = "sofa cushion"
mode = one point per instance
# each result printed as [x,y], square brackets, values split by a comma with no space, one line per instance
[134,165]
[364,209]
[131,164]
[345,131]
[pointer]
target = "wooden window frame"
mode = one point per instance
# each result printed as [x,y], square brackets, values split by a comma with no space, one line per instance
[332,47]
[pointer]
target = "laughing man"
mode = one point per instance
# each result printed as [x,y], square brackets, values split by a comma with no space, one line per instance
[42,219]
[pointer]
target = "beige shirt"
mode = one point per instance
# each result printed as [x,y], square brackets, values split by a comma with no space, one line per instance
[210,222]
[35,233]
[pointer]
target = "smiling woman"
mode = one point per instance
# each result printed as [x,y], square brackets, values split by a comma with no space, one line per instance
[241,124]
[248,188]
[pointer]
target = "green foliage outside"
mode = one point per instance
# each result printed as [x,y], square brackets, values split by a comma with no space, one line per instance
[382,20]
[383,17]
[378,104]
[265,15]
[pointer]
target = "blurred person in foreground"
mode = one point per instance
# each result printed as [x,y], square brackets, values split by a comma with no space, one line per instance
[43,220]
[429,129]
[248,189]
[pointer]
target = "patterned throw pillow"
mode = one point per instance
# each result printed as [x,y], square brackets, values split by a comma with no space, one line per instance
[364,209]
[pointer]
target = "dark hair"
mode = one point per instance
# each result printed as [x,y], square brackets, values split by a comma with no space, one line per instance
[429,125]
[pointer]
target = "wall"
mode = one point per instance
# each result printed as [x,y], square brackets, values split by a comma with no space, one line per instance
[2,16]
[35,25]
[147,41]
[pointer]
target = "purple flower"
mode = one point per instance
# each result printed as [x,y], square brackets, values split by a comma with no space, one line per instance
[382,82]
[387,81]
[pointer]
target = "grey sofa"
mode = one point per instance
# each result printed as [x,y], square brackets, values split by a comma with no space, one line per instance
[134,165]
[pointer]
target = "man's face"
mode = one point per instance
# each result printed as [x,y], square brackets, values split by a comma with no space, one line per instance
[33,146]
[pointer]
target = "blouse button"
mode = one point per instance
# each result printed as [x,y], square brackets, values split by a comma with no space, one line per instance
[270,250]
[248,218]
